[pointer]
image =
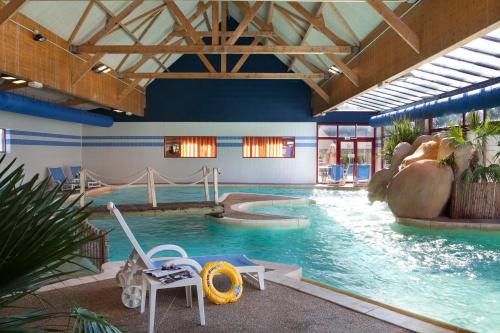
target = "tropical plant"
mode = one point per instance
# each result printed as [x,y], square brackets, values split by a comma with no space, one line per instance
[403,130]
[477,137]
[39,235]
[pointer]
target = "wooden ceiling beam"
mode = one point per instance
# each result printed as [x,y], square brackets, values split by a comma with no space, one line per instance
[80,22]
[152,21]
[344,23]
[228,34]
[199,11]
[247,18]
[403,30]
[193,38]
[213,49]
[315,87]
[306,35]
[244,57]
[277,39]
[271,76]
[114,21]
[122,25]
[223,57]
[215,22]
[10,9]
[269,17]
[318,23]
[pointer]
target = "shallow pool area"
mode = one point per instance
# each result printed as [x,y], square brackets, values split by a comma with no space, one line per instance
[449,275]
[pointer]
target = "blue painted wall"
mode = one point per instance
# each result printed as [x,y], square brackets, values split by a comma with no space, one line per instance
[190,100]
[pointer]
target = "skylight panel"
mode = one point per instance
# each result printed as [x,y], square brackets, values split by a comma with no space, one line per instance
[393,96]
[494,33]
[417,88]
[368,99]
[438,79]
[476,57]
[397,92]
[450,73]
[429,84]
[466,67]
[373,94]
[400,88]
[484,45]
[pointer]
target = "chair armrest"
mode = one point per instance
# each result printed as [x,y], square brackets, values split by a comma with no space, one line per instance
[185,262]
[167,247]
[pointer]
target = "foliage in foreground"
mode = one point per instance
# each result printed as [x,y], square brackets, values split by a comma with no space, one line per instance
[39,233]
[403,131]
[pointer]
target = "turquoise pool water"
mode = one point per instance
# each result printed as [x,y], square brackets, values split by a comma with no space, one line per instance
[451,275]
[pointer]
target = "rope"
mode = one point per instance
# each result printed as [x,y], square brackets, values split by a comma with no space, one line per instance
[119,186]
[96,175]
[181,178]
[172,183]
[144,173]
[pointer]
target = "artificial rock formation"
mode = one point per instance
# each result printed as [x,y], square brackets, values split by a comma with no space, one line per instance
[420,190]
[416,185]
[427,151]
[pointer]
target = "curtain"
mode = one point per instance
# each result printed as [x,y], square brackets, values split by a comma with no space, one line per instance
[198,146]
[262,146]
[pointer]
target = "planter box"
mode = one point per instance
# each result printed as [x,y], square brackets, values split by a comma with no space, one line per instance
[475,200]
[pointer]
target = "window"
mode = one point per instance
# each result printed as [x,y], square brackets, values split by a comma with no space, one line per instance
[445,121]
[268,146]
[493,114]
[3,146]
[190,147]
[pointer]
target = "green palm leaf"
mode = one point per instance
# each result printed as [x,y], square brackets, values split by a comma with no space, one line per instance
[39,234]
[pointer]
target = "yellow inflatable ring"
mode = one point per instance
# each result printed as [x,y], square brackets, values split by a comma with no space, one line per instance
[221,267]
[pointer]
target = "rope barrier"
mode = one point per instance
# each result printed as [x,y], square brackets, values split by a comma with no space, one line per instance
[150,174]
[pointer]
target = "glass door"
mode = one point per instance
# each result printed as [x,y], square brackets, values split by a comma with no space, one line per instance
[347,159]
[364,155]
[327,159]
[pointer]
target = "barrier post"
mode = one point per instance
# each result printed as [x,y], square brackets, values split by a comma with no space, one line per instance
[83,175]
[206,172]
[216,185]
[153,188]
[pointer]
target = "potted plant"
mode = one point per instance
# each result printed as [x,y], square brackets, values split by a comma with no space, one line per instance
[476,193]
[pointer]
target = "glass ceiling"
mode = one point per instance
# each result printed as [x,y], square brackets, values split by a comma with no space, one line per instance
[475,62]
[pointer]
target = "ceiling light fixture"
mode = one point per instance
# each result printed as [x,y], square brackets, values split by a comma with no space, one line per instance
[37,36]
[128,113]
[19,81]
[7,77]
[119,111]
[101,68]
[334,70]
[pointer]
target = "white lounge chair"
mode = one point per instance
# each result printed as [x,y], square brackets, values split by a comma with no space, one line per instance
[75,178]
[129,277]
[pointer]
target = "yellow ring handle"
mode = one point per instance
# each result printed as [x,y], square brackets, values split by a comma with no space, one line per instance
[221,267]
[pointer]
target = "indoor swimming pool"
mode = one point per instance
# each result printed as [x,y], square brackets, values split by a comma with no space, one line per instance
[449,275]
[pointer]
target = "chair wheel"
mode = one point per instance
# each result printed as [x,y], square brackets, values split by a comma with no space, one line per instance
[131,296]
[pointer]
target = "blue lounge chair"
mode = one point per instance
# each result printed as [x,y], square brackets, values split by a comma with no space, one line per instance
[129,277]
[58,176]
[336,173]
[363,172]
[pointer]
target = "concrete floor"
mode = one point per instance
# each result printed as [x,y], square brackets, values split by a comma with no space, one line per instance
[277,309]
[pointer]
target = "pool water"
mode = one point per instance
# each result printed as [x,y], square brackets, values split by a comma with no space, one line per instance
[449,275]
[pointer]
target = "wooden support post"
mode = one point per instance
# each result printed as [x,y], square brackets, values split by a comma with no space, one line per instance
[151,188]
[206,173]
[83,175]
[216,185]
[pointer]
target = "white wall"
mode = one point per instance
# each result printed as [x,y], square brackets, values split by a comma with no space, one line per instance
[110,152]
[40,143]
